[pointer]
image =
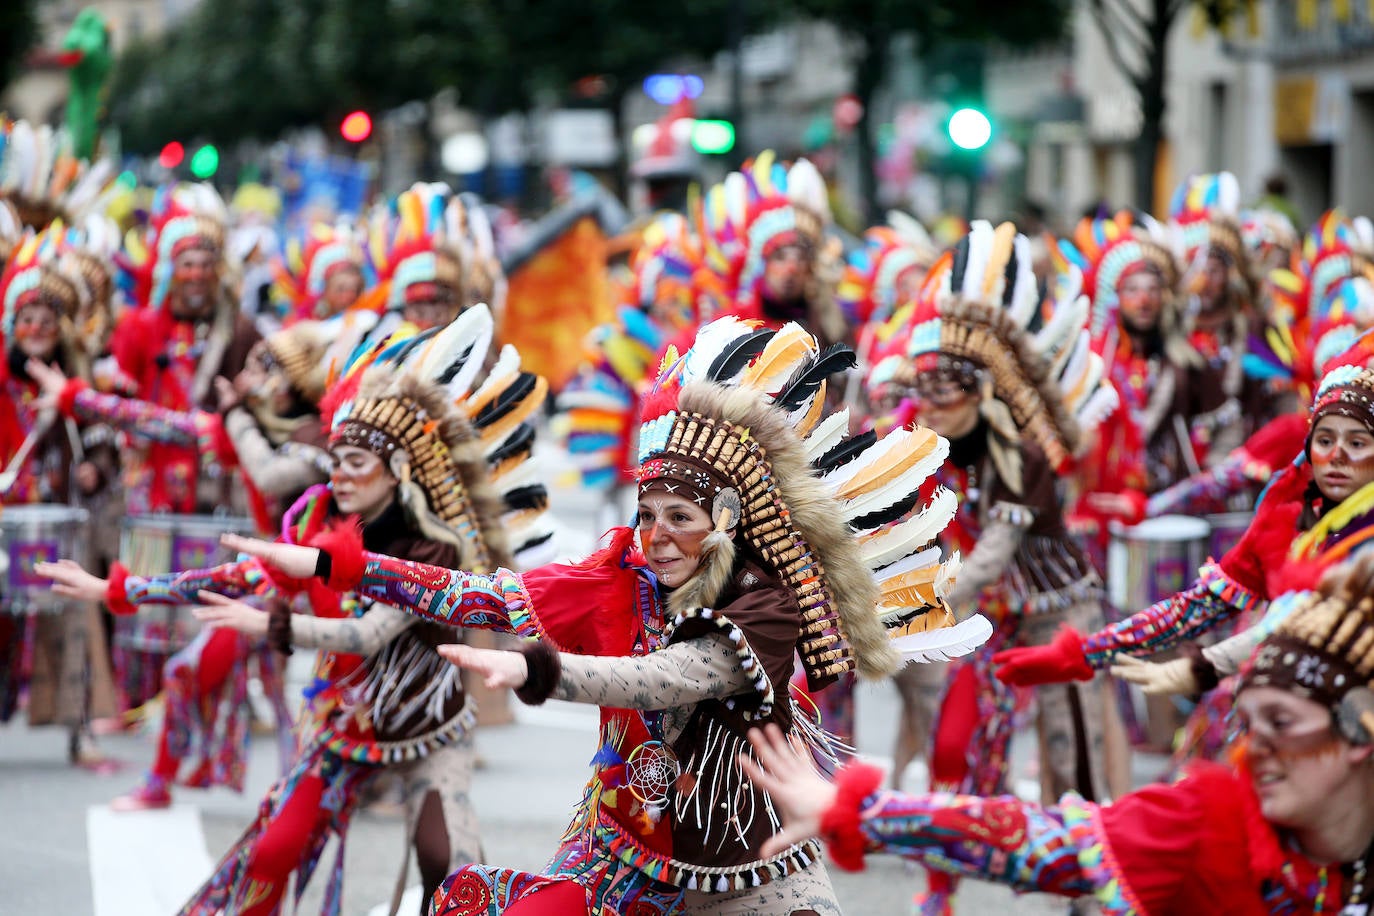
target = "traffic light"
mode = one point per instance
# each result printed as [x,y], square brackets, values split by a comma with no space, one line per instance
[713,137]
[356,126]
[205,162]
[969,129]
[171,155]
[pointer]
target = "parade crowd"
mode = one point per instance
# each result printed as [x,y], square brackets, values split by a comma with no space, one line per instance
[1029,479]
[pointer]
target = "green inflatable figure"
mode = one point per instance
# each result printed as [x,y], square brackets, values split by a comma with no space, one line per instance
[86,50]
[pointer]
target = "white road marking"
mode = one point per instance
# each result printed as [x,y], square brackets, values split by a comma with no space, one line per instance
[145,862]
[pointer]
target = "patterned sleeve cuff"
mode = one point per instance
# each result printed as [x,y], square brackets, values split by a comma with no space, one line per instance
[116,593]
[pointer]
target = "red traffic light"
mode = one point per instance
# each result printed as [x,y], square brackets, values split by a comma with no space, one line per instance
[171,155]
[356,127]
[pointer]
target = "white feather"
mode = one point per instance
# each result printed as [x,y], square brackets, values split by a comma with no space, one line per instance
[711,341]
[1092,377]
[827,434]
[979,249]
[88,187]
[1075,361]
[736,191]
[806,188]
[470,333]
[37,185]
[1228,194]
[910,229]
[1025,295]
[507,365]
[949,573]
[921,559]
[944,643]
[1063,326]
[591,399]
[524,474]
[899,488]
[19,157]
[1099,407]
[913,533]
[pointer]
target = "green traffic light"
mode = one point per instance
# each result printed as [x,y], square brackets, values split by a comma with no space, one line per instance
[970,129]
[205,162]
[711,138]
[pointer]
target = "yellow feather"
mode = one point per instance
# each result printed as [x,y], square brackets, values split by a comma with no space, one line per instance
[894,461]
[780,358]
[999,253]
[813,415]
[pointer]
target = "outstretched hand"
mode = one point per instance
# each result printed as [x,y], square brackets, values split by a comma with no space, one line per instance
[498,667]
[292,559]
[71,581]
[51,383]
[1157,678]
[782,768]
[219,611]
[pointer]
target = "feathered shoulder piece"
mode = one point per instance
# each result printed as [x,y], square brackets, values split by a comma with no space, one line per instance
[458,436]
[740,417]
[980,306]
[44,181]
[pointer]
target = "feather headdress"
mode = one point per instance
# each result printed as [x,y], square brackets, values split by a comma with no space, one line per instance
[183,217]
[302,275]
[458,437]
[741,413]
[44,181]
[877,275]
[980,305]
[31,276]
[1205,211]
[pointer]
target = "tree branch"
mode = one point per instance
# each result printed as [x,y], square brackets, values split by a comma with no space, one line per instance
[1109,38]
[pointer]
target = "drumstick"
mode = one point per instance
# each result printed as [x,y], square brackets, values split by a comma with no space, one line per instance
[40,429]
[1185,445]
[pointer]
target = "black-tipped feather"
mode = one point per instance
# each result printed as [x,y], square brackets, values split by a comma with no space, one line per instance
[1009,281]
[533,542]
[519,441]
[883,516]
[535,496]
[447,375]
[960,265]
[738,354]
[845,452]
[806,381]
[507,400]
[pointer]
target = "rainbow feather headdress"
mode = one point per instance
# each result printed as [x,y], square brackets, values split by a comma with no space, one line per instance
[742,220]
[183,217]
[31,276]
[301,276]
[980,304]
[876,273]
[831,514]
[1107,250]
[458,437]
[1320,307]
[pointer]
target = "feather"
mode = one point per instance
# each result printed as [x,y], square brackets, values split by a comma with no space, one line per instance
[827,435]
[518,443]
[511,399]
[520,499]
[1068,319]
[808,378]
[890,458]
[712,340]
[946,642]
[507,365]
[949,572]
[926,559]
[900,490]
[893,543]
[780,358]
[466,335]
[1025,293]
[806,188]
[999,272]
[886,514]
[846,451]
[732,359]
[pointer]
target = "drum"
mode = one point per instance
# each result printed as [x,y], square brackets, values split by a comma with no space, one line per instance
[34,534]
[150,545]
[1154,559]
[1227,530]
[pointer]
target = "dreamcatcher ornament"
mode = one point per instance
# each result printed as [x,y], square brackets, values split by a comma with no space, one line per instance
[651,772]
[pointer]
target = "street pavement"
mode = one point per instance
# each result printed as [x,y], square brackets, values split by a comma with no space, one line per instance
[63,851]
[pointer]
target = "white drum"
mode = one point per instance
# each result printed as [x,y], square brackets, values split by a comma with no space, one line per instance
[1154,559]
[34,534]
